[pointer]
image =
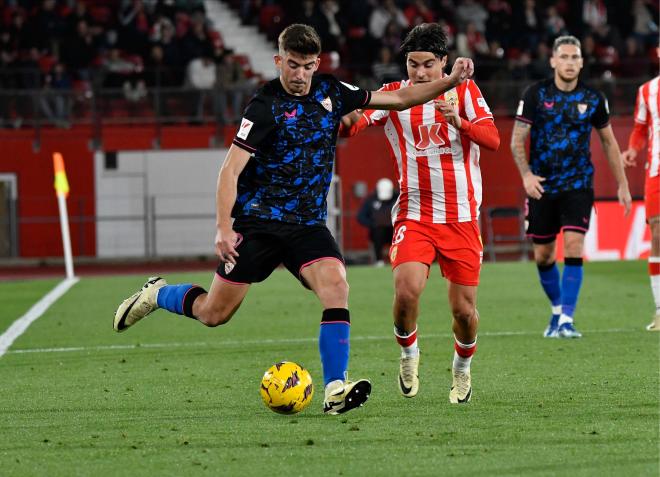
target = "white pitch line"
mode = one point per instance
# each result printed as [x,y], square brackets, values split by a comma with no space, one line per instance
[19,326]
[276,341]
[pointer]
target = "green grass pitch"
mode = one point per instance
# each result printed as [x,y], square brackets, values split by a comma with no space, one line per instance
[171,397]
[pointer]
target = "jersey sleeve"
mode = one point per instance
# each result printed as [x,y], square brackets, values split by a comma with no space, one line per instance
[474,105]
[379,116]
[527,105]
[601,117]
[257,123]
[640,107]
[352,97]
[367,118]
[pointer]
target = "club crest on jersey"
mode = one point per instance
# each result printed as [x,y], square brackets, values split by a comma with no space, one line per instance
[451,97]
[429,136]
[228,267]
[582,108]
[327,104]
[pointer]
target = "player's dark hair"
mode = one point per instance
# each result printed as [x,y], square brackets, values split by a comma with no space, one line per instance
[426,37]
[565,40]
[301,39]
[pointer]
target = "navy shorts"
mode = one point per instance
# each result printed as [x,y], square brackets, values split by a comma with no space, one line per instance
[266,244]
[552,213]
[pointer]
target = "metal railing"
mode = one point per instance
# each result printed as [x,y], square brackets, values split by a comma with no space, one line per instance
[144,100]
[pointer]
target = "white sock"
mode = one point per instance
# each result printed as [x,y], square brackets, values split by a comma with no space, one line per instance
[654,263]
[565,319]
[655,286]
[556,309]
[461,364]
[412,349]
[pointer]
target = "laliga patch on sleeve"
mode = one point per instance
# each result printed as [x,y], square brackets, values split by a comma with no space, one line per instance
[244,130]
[482,102]
[350,86]
[607,106]
[521,105]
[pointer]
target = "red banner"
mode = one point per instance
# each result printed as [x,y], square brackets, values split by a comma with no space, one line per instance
[612,236]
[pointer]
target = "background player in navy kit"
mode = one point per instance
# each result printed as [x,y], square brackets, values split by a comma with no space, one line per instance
[558,178]
[274,183]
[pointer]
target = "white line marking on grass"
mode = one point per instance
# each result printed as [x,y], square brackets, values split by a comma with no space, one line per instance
[276,341]
[19,326]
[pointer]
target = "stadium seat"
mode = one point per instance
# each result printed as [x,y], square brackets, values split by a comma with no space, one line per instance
[511,239]
[270,19]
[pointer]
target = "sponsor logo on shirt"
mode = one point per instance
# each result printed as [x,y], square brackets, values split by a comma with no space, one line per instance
[327,104]
[429,136]
[432,151]
[244,130]
[291,115]
[548,104]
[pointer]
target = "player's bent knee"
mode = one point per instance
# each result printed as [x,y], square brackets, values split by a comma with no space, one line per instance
[407,294]
[334,289]
[463,313]
[463,309]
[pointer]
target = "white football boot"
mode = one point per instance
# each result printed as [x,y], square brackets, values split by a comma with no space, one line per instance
[138,305]
[342,396]
[461,388]
[409,375]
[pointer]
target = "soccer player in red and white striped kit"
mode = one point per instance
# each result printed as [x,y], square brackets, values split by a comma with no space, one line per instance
[435,150]
[647,129]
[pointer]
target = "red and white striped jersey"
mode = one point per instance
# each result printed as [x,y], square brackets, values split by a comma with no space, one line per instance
[437,168]
[647,112]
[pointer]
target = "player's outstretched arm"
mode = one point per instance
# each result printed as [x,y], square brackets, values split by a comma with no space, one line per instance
[531,182]
[613,155]
[225,237]
[421,93]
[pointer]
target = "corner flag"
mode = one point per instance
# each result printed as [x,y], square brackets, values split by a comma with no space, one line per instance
[61,182]
[62,192]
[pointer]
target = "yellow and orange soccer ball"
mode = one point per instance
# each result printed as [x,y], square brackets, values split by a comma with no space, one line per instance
[287,388]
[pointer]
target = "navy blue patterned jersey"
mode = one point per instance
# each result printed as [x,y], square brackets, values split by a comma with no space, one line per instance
[561,132]
[292,140]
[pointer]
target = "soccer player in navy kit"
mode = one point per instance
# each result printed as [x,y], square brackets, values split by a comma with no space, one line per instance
[274,183]
[558,178]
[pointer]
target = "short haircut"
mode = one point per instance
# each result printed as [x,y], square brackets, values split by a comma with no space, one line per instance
[301,39]
[426,37]
[565,40]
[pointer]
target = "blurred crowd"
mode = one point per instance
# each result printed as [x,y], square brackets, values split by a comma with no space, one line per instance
[132,46]
[69,47]
[509,39]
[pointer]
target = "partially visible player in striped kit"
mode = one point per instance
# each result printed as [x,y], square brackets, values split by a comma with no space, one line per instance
[435,150]
[647,129]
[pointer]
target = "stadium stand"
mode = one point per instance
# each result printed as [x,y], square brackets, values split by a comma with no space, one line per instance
[123,57]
